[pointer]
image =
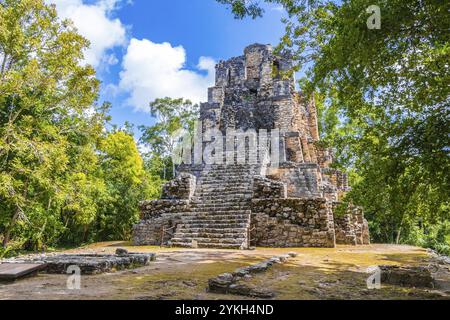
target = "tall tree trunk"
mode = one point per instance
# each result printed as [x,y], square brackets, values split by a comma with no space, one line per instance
[400,227]
[85,231]
[14,219]
[10,227]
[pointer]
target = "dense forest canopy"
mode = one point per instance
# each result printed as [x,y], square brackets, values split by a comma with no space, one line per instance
[384,104]
[64,178]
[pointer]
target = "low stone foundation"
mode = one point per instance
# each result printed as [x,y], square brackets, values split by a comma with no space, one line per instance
[420,277]
[182,187]
[345,230]
[275,221]
[234,283]
[351,228]
[292,223]
[91,264]
[156,215]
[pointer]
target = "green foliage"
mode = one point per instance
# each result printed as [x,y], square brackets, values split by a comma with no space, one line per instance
[172,115]
[45,129]
[435,236]
[383,105]
[63,178]
[126,182]
[242,8]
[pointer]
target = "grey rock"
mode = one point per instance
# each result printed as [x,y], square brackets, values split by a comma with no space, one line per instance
[121,252]
[407,276]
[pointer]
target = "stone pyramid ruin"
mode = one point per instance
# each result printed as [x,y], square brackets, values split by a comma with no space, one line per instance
[262,178]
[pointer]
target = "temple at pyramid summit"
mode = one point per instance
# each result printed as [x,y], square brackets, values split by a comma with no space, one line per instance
[272,186]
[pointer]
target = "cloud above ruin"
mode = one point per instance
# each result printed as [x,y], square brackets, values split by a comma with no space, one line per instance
[155,70]
[94,21]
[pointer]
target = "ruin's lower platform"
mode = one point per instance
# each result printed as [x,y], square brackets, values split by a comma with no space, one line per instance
[14,271]
[232,207]
[90,264]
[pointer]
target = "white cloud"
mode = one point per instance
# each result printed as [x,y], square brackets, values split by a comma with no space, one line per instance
[94,22]
[157,70]
[277,8]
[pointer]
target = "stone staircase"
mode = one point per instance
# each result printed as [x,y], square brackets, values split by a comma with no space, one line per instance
[220,209]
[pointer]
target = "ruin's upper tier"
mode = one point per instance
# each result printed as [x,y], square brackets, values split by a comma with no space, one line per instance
[258,72]
[257,64]
[257,91]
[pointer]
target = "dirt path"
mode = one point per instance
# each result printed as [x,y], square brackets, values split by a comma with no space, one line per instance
[183,274]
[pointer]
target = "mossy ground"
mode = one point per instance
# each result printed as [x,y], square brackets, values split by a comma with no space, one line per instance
[183,274]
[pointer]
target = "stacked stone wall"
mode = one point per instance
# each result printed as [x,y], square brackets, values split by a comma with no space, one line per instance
[264,188]
[292,223]
[156,216]
[345,230]
[351,228]
[183,187]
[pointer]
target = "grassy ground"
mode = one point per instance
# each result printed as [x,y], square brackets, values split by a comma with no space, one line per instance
[183,274]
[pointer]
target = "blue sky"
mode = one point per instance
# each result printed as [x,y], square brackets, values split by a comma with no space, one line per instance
[143,49]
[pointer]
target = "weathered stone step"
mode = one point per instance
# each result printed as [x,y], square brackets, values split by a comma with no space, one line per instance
[229,198]
[231,165]
[210,240]
[217,211]
[228,169]
[218,184]
[210,235]
[224,191]
[224,184]
[223,196]
[216,205]
[235,173]
[228,201]
[216,218]
[221,186]
[212,203]
[231,175]
[214,229]
[211,223]
[221,225]
[226,179]
[225,210]
[210,245]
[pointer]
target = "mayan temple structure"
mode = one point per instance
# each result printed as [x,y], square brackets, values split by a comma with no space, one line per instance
[282,195]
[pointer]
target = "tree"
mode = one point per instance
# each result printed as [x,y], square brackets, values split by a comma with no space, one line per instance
[171,116]
[46,94]
[126,182]
[385,101]
[64,179]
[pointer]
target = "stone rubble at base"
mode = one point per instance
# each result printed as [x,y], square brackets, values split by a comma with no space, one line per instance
[232,283]
[407,276]
[287,202]
[89,264]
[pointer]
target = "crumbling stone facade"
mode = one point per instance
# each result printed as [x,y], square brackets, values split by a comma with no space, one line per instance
[282,195]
